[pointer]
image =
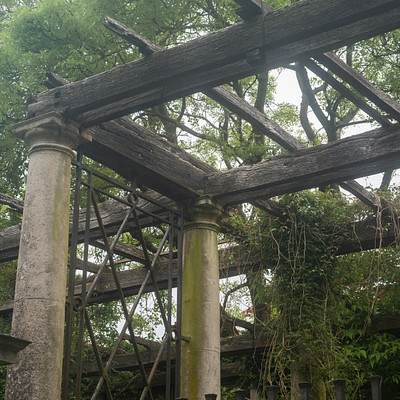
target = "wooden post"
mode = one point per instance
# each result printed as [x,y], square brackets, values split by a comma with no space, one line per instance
[200,364]
[39,303]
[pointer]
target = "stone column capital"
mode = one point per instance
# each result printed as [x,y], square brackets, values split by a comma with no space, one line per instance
[205,213]
[50,132]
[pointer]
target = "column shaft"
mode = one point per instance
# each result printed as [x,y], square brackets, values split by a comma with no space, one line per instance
[39,304]
[200,365]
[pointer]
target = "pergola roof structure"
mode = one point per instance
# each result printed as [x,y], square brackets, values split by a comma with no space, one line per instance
[304,30]
[268,38]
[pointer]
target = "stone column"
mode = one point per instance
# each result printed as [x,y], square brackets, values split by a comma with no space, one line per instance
[200,363]
[39,303]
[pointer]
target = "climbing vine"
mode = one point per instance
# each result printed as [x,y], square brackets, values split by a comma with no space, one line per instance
[324,308]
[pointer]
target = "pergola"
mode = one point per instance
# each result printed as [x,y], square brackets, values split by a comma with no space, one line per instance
[184,193]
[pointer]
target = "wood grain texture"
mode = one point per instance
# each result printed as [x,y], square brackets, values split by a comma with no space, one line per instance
[303,29]
[132,150]
[16,204]
[356,100]
[260,122]
[361,84]
[349,158]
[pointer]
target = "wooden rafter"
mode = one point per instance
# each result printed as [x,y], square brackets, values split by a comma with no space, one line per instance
[348,158]
[112,213]
[131,149]
[260,122]
[342,89]
[303,29]
[360,83]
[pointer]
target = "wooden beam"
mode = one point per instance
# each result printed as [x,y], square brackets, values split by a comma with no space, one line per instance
[367,197]
[300,30]
[363,235]
[348,158]
[342,89]
[251,8]
[112,213]
[269,128]
[132,150]
[259,120]
[234,345]
[145,46]
[261,123]
[233,261]
[16,204]
[362,85]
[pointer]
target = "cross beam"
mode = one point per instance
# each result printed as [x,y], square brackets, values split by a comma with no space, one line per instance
[349,158]
[284,35]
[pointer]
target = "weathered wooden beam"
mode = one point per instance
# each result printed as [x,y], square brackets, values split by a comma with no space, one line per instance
[258,120]
[233,261]
[53,80]
[145,46]
[362,85]
[234,345]
[269,128]
[362,194]
[367,235]
[16,204]
[342,89]
[251,8]
[133,151]
[363,235]
[112,213]
[261,123]
[348,158]
[303,29]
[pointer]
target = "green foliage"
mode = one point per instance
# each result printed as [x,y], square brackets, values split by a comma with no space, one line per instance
[324,307]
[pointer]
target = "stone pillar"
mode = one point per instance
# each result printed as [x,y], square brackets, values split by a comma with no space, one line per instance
[39,303]
[200,363]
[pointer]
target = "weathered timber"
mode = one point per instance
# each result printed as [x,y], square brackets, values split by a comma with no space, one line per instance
[132,150]
[6,307]
[53,80]
[362,85]
[235,345]
[251,8]
[9,243]
[348,158]
[187,84]
[90,267]
[16,204]
[261,123]
[363,235]
[112,213]
[145,46]
[9,347]
[125,250]
[269,128]
[366,235]
[342,89]
[303,29]
[361,193]
[233,261]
